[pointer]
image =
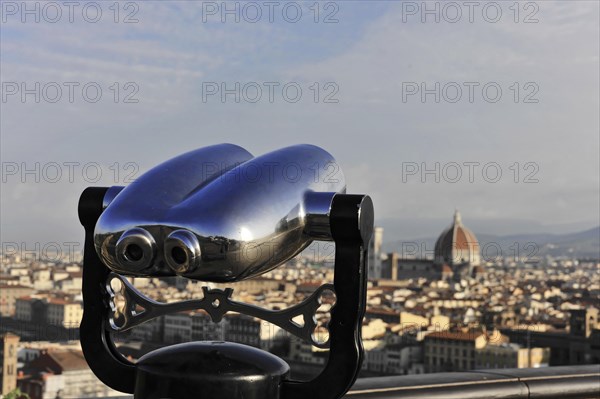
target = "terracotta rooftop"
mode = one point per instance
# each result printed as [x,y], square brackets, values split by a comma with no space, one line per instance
[59,361]
[14,287]
[69,359]
[454,336]
[59,301]
[390,312]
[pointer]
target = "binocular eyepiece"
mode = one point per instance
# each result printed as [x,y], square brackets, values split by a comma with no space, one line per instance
[219,214]
[136,250]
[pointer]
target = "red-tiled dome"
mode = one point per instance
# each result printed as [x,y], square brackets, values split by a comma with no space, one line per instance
[457,245]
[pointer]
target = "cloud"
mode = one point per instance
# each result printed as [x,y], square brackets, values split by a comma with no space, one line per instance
[559,55]
[372,50]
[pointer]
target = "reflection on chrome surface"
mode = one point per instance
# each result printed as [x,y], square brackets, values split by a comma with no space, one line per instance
[219,214]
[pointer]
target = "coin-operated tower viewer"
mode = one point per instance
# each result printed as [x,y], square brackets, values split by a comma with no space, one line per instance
[219,214]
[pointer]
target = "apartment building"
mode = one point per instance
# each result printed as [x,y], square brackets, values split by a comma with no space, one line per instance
[452,351]
[9,295]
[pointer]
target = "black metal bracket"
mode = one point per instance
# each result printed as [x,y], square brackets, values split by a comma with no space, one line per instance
[99,350]
[351,222]
[139,309]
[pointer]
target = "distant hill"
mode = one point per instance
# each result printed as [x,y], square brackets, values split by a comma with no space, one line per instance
[583,244]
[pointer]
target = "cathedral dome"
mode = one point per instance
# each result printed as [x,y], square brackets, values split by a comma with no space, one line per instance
[457,245]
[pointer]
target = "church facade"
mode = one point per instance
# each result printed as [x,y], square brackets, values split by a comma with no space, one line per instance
[456,256]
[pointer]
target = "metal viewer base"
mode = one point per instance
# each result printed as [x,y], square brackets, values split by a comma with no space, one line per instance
[210,370]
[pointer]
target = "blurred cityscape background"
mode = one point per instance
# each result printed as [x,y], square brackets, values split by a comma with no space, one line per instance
[462,304]
[490,107]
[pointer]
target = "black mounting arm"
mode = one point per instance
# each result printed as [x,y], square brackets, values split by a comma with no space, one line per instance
[96,340]
[351,226]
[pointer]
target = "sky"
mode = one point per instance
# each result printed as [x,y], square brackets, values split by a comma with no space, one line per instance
[426,106]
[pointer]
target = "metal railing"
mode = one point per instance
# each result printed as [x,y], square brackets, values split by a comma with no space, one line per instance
[542,383]
[565,382]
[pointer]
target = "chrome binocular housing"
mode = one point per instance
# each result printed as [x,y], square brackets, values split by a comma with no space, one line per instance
[219,214]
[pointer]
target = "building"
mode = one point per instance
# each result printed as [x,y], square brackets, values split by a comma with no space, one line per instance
[49,311]
[396,268]
[33,309]
[583,322]
[387,315]
[42,279]
[456,255]
[29,351]
[413,321]
[8,297]
[395,359]
[64,313]
[177,327]
[256,286]
[374,261]
[581,345]
[204,329]
[510,356]
[72,284]
[198,326]
[304,352]
[150,331]
[389,269]
[497,319]
[24,280]
[457,246]
[452,351]
[8,367]
[242,329]
[62,373]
